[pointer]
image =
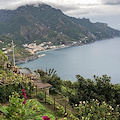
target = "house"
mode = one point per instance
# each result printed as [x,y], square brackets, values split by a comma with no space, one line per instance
[35,77]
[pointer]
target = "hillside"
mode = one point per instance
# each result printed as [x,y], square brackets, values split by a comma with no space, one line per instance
[44,23]
[21,98]
[21,55]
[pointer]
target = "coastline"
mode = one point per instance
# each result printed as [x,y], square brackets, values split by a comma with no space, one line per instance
[39,53]
[21,61]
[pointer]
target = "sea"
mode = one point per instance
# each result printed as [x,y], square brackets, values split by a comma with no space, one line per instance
[98,58]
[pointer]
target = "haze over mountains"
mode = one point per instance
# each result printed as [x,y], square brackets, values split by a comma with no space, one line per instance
[42,23]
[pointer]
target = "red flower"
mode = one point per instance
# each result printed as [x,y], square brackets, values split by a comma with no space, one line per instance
[45,118]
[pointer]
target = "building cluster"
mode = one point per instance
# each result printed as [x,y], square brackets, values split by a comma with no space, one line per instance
[1,41]
[34,48]
[6,50]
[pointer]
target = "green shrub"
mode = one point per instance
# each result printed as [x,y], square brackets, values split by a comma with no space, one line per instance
[95,110]
[41,95]
[17,110]
[50,100]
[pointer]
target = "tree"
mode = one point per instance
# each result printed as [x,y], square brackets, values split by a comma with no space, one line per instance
[67,83]
[104,87]
[82,89]
[3,59]
[41,73]
[52,78]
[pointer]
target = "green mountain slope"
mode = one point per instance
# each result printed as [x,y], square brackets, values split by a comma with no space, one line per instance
[100,30]
[20,53]
[44,23]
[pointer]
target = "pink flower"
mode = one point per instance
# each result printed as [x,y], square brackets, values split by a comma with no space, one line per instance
[24,101]
[23,90]
[24,93]
[45,118]
[25,96]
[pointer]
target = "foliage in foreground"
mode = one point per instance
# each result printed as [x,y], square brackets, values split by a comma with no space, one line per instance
[17,110]
[3,59]
[93,110]
[100,89]
[85,90]
[13,83]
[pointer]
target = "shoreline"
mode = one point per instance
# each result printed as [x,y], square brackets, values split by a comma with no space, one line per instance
[52,49]
[39,53]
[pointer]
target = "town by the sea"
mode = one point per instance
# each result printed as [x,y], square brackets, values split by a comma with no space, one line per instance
[98,58]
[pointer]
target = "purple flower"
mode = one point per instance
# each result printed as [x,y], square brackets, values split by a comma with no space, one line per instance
[45,118]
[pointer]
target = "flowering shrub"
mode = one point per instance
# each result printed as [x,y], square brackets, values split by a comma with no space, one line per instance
[16,109]
[24,95]
[14,83]
[45,118]
[19,111]
[95,110]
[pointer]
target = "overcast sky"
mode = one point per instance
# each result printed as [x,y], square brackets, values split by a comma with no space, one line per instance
[107,11]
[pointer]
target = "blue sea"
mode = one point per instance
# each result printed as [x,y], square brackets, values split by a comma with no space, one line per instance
[99,58]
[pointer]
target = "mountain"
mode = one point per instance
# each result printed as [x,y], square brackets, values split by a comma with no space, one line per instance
[44,23]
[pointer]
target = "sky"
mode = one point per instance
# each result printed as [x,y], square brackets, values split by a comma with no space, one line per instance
[106,11]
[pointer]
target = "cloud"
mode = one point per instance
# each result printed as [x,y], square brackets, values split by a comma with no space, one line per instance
[64,6]
[75,8]
[111,2]
[95,9]
[83,10]
[13,4]
[69,7]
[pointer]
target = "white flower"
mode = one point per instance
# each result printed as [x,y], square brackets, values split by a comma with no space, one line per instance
[108,113]
[98,103]
[110,107]
[83,102]
[75,105]
[82,118]
[104,103]
[97,100]
[80,102]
